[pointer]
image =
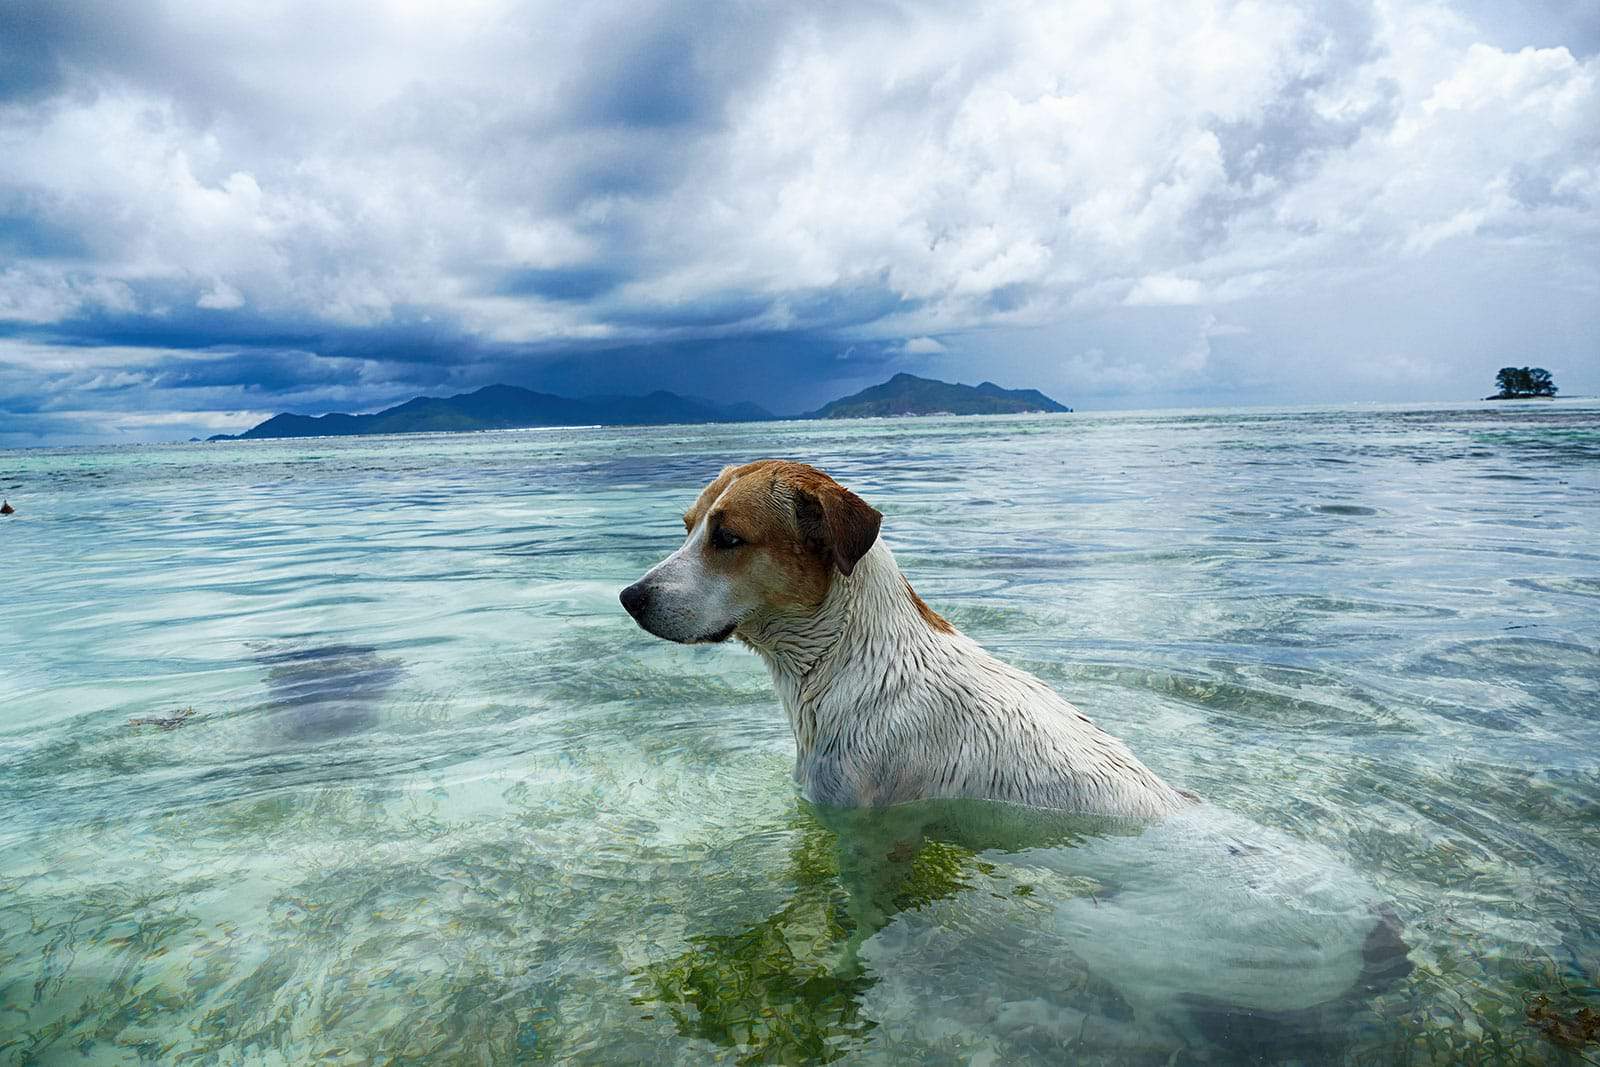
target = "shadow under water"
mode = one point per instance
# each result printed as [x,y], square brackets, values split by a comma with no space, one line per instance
[324,692]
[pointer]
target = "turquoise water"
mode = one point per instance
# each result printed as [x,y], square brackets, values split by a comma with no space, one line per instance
[421,792]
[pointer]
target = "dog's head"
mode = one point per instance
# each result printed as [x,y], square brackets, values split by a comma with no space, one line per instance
[765,538]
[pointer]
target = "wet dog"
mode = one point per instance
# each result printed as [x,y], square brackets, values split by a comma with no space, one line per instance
[888,701]
[1203,920]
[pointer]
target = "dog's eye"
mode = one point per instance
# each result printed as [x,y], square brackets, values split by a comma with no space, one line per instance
[723,538]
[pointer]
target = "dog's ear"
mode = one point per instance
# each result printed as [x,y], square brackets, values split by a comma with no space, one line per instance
[837,521]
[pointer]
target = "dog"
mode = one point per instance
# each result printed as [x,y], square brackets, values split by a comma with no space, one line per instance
[888,701]
[1204,921]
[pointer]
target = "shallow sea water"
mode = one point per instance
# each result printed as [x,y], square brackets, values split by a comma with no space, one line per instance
[421,792]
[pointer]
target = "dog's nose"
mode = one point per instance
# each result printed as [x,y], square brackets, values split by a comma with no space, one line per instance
[634,598]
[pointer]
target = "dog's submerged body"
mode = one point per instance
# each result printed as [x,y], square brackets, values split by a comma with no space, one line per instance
[888,701]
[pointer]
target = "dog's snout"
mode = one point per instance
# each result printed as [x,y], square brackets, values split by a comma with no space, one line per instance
[634,598]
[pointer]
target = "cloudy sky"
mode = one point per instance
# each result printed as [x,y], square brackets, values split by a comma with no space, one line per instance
[210,213]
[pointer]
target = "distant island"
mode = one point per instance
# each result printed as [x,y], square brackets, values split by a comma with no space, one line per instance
[1523,383]
[504,407]
[906,394]
[508,407]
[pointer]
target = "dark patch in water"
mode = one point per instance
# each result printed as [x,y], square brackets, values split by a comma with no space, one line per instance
[1588,587]
[1529,660]
[1250,1035]
[1345,509]
[1385,956]
[327,691]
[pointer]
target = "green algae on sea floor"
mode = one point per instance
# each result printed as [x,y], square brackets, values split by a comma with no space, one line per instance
[789,988]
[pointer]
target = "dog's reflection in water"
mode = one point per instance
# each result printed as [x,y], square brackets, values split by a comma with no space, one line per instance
[1229,938]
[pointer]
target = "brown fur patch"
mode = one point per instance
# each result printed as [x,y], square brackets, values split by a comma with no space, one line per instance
[708,496]
[755,502]
[929,616]
[797,526]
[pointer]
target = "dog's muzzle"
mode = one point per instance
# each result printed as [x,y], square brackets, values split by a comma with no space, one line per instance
[638,598]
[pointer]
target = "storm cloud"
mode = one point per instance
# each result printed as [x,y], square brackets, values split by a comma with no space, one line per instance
[211,213]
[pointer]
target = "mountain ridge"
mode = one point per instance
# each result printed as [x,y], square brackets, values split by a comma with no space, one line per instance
[907,394]
[509,407]
[500,407]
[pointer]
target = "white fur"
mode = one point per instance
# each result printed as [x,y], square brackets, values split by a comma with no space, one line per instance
[886,708]
[689,602]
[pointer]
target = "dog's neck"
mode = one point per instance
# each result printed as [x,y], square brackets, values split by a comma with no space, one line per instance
[868,616]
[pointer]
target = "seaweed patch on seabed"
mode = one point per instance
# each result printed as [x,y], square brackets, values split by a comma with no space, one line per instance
[1566,1027]
[181,717]
[322,692]
[790,987]
[793,987]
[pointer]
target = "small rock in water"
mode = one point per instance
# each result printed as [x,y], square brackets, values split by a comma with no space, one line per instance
[6,508]
[169,722]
